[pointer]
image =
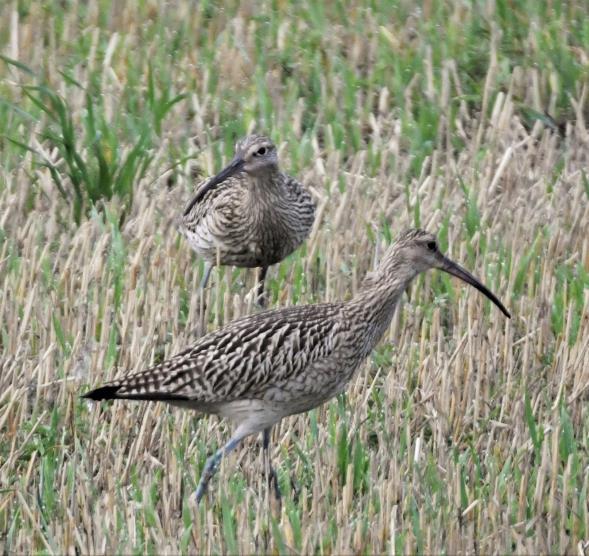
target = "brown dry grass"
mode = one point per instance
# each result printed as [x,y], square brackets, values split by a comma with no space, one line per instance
[440,453]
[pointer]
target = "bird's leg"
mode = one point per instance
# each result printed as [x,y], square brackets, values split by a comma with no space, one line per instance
[271,474]
[212,465]
[260,297]
[408,292]
[206,275]
[203,284]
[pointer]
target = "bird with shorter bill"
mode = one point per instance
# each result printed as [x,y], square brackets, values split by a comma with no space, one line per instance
[250,214]
[261,368]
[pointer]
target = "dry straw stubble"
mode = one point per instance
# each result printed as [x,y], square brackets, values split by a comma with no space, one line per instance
[463,433]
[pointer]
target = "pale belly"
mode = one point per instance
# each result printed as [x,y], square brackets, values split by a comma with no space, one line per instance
[247,246]
[249,252]
[225,251]
[252,415]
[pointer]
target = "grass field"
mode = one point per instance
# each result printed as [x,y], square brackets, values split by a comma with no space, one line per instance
[464,432]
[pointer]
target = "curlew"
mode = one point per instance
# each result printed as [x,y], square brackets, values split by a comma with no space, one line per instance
[261,368]
[250,214]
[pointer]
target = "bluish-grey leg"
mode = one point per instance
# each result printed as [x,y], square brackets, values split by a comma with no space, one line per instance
[212,465]
[206,275]
[260,297]
[203,305]
[272,477]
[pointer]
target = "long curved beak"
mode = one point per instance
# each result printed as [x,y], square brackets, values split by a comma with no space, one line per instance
[232,168]
[455,269]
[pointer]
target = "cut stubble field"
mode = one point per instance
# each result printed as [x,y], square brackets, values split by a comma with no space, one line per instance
[464,432]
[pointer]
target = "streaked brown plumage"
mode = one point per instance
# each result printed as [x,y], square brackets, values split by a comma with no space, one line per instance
[263,367]
[250,214]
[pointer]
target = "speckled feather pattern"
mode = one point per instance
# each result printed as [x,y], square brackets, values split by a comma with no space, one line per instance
[247,358]
[250,221]
[263,367]
[285,360]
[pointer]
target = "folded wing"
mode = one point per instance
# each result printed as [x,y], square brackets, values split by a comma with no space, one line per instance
[238,361]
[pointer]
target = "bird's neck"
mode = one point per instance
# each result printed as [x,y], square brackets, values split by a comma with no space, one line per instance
[266,189]
[268,179]
[376,301]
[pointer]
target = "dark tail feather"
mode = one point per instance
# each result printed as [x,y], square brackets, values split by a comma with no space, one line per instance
[108,392]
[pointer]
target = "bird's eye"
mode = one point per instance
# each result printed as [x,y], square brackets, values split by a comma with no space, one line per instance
[431,245]
[262,151]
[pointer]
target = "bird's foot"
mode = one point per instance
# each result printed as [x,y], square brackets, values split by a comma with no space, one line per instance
[197,495]
[210,467]
[261,301]
[273,484]
[275,498]
[296,491]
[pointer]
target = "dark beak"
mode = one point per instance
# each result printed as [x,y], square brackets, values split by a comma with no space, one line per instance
[451,267]
[232,168]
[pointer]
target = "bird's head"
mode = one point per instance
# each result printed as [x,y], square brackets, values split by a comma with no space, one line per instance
[416,251]
[254,154]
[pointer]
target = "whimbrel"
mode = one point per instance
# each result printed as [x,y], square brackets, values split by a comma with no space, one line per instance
[261,368]
[250,214]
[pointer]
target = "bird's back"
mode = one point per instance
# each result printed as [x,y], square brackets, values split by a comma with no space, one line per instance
[247,359]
